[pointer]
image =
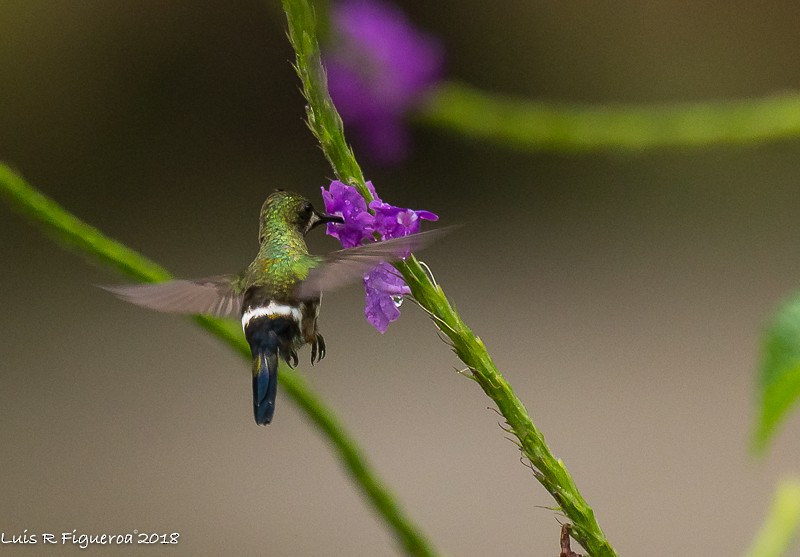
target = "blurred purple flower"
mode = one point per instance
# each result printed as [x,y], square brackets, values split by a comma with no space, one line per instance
[379,67]
[383,285]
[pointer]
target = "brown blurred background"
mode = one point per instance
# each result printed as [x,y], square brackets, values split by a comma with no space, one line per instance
[622,296]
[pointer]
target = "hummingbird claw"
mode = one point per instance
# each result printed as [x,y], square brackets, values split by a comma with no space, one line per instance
[290,357]
[321,342]
[313,351]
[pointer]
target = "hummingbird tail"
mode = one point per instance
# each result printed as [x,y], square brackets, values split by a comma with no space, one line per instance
[270,334]
[265,385]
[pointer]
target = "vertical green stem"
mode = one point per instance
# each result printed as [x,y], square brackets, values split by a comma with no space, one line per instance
[325,123]
[323,119]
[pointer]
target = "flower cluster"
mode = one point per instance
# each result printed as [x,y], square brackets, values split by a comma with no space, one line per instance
[383,285]
[379,67]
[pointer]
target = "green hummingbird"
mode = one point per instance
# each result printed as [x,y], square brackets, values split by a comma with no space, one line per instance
[278,295]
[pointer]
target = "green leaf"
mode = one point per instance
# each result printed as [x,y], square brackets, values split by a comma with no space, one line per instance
[779,376]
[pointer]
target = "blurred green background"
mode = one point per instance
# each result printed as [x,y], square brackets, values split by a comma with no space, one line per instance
[621,295]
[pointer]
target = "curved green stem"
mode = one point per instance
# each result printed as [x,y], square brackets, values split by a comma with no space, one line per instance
[325,123]
[540,126]
[98,248]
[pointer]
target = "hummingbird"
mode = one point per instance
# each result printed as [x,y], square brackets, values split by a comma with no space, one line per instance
[277,297]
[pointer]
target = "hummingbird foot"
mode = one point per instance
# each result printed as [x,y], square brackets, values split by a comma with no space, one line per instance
[290,357]
[317,349]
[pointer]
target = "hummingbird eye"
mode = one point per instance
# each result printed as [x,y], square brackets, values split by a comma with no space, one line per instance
[307,209]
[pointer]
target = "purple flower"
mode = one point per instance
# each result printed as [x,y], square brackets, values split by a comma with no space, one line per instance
[383,285]
[345,201]
[379,68]
[395,222]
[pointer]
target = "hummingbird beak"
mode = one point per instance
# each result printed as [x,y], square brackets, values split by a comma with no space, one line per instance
[318,218]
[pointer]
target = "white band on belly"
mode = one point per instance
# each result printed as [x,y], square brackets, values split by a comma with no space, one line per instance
[271,310]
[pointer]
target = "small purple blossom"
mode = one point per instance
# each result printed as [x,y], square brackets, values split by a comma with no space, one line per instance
[395,222]
[379,67]
[345,201]
[383,285]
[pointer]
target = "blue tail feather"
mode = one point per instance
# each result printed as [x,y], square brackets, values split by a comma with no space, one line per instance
[265,385]
[268,337]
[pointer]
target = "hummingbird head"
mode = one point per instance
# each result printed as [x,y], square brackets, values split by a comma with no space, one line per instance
[293,211]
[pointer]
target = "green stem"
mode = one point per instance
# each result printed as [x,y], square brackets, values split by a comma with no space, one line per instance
[90,242]
[549,470]
[781,526]
[540,126]
[323,119]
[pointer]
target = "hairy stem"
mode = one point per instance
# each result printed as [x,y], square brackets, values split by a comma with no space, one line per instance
[321,115]
[325,122]
[549,470]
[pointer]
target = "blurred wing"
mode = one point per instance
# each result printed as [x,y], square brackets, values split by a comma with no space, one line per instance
[212,295]
[344,267]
